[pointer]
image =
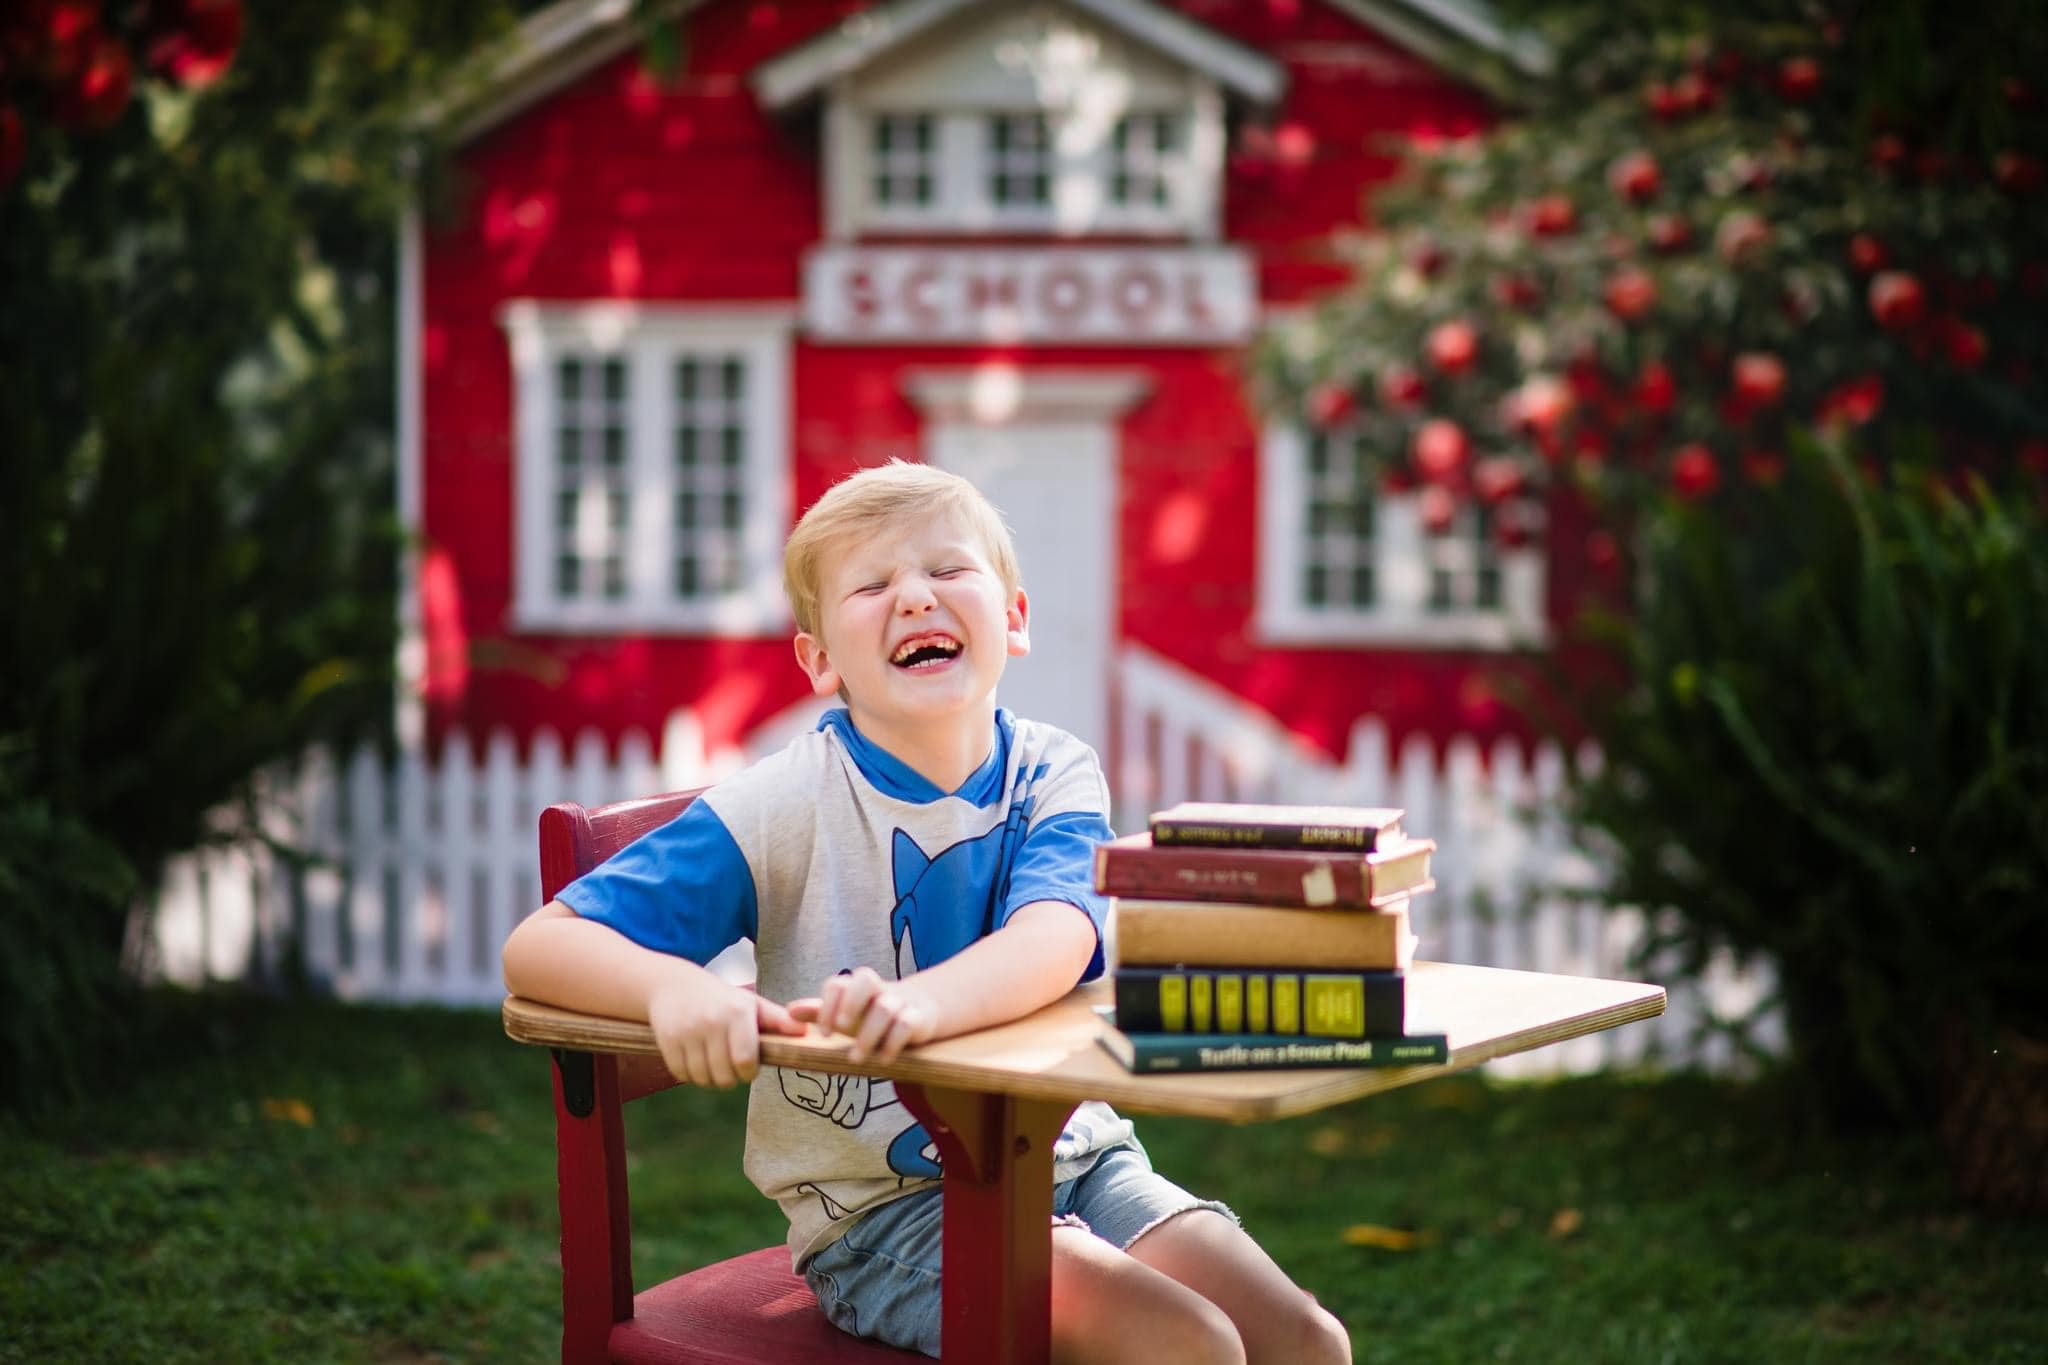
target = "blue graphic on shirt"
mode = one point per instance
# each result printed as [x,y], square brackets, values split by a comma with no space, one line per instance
[943,904]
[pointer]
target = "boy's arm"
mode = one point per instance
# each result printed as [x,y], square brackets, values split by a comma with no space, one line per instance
[1033,960]
[707,1029]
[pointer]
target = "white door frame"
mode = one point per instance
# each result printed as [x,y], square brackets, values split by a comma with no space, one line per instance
[1083,407]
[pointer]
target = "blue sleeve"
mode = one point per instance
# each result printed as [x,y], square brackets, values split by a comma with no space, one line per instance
[1057,863]
[684,888]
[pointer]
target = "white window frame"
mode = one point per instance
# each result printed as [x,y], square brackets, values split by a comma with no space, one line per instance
[650,339]
[1083,166]
[1403,556]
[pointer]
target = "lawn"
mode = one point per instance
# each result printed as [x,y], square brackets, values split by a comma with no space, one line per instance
[314,1182]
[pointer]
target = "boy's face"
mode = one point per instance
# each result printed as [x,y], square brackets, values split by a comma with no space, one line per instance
[915,624]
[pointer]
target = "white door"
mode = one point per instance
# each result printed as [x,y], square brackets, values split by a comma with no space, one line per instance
[1055,484]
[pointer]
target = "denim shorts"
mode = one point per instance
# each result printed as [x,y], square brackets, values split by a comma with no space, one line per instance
[880,1279]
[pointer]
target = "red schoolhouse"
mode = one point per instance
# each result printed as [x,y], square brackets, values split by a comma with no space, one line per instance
[1030,242]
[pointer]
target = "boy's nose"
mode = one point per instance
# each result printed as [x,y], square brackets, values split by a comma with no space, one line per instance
[915,597]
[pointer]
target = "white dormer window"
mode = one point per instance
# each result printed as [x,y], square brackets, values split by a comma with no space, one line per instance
[1064,120]
[1342,561]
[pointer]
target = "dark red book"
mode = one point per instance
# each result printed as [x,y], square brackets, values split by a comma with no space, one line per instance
[1312,878]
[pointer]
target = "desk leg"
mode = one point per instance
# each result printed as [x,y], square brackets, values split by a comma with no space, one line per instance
[997,1150]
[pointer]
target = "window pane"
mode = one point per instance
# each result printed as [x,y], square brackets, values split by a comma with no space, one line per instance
[1316,584]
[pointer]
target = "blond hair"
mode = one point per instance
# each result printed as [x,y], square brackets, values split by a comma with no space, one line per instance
[863,503]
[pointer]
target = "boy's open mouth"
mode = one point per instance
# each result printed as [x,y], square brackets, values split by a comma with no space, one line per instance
[928,650]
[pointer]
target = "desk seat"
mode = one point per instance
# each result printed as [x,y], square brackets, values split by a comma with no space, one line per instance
[741,1311]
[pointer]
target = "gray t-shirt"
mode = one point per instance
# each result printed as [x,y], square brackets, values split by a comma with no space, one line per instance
[833,854]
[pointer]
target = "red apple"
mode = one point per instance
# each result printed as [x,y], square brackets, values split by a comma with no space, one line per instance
[1694,93]
[1694,474]
[96,94]
[1888,151]
[1763,467]
[1663,102]
[1428,260]
[1656,392]
[1669,232]
[1965,345]
[2016,172]
[1517,291]
[196,40]
[1440,450]
[1552,216]
[1630,293]
[1439,508]
[1798,79]
[1853,403]
[1866,253]
[1497,478]
[1401,386]
[1330,404]
[1635,177]
[1897,300]
[1541,403]
[1452,346]
[1759,379]
[1741,236]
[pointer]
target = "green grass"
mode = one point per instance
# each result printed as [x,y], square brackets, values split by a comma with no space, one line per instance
[315,1182]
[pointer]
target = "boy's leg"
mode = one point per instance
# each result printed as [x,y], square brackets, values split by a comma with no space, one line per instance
[1275,1318]
[1109,1308]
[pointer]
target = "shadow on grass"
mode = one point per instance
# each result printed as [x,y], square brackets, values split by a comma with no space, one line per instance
[313,1181]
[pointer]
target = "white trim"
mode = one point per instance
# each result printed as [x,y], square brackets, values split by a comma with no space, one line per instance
[1446,32]
[861,38]
[549,49]
[996,394]
[408,388]
[1401,571]
[648,337]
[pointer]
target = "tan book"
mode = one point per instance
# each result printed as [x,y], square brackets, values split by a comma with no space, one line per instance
[1214,934]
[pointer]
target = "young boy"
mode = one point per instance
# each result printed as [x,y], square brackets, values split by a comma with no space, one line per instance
[916,867]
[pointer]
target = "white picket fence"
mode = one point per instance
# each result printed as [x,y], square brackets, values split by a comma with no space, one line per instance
[410,874]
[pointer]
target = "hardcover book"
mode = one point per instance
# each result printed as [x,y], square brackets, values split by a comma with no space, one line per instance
[1135,866]
[1257,1000]
[1226,824]
[1151,1052]
[1207,934]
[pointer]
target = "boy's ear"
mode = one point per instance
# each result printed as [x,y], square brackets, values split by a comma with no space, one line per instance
[1018,619]
[816,664]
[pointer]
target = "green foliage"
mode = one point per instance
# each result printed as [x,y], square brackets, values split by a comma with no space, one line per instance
[195,507]
[1834,754]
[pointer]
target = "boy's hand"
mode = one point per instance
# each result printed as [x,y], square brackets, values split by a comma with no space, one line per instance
[884,1017]
[711,1035]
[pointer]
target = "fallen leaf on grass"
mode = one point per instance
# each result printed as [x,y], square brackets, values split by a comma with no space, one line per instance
[1565,1222]
[289,1111]
[1385,1238]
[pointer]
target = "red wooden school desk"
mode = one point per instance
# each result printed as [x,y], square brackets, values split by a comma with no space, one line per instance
[995,1101]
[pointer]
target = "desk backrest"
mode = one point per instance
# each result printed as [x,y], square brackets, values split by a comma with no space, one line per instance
[574,839]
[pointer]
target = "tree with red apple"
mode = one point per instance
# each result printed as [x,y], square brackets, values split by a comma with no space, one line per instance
[196,313]
[1767,285]
[1699,240]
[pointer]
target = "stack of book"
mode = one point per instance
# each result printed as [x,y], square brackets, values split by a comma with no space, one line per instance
[1262,937]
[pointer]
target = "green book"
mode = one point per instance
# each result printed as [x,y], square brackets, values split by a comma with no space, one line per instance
[1155,1052]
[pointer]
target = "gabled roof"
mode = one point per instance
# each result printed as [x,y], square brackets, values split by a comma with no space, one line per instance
[554,46]
[861,38]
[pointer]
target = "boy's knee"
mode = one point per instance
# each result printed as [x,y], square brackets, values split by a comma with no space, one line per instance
[1307,1333]
[1203,1332]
